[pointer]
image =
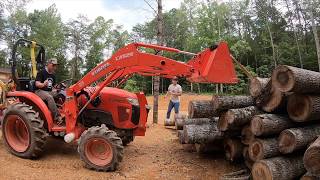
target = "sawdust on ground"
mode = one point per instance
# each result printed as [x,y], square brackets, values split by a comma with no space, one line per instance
[158,155]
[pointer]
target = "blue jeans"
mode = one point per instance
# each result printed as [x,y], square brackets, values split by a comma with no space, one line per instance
[174,105]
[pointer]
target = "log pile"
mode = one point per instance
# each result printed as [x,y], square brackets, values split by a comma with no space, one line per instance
[273,131]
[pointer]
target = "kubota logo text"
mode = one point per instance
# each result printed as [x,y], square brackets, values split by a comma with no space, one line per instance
[123,56]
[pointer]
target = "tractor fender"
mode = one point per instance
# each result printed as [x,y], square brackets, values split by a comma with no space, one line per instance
[34,100]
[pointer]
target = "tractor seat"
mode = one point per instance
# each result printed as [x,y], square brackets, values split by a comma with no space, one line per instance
[27,84]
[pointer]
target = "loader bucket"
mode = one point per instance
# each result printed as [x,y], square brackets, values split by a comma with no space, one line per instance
[214,65]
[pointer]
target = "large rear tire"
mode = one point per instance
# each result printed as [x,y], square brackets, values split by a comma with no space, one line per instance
[23,131]
[100,148]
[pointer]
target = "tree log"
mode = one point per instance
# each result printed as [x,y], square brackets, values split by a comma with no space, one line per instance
[197,121]
[309,176]
[231,102]
[247,161]
[263,148]
[204,133]
[270,124]
[303,108]
[181,137]
[246,135]
[292,79]
[256,85]
[201,109]
[236,118]
[233,149]
[276,102]
[264,95]
[294,139]
[311,158]
[189,147]
[278,168]
[203,148]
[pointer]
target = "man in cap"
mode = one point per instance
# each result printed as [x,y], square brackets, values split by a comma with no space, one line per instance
[45,82]
[174,91]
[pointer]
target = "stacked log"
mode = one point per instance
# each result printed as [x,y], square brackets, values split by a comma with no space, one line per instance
[311,158]
[268,131]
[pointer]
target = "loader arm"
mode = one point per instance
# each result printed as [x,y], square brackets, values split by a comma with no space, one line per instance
[213,65]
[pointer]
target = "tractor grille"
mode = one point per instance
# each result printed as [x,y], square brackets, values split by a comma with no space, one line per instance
[135,114]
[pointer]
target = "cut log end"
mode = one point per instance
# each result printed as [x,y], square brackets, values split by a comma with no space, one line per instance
[256,126]
[274,101]
[256,85]
[246,135]
[287,142]
[224,120]
[261,171]
[283,78]
[299,107]
[313,163]
[256,151]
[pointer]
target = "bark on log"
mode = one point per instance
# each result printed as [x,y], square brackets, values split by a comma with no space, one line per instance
[181,137]
[292,79]
[311,158]
[233,149]
[264,95]
[263,149]
[235,118]
[270,124]
[201,133]
[294,139]
[256,85]
[178,119]
[231,102]
[247,161]
[276,102]
[246,135]
[309,176]
[203,148]
[278,168]
[303,108]
[197,121]
[201,109]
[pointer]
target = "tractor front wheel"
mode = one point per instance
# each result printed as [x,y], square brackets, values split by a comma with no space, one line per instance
[100,148]
[23,131]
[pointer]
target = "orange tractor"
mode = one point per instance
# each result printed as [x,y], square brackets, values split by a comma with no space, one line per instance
[99,118]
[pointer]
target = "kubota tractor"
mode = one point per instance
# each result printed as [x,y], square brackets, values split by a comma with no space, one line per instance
[99,118]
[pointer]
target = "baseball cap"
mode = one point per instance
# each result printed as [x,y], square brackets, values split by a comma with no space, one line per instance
[53,61]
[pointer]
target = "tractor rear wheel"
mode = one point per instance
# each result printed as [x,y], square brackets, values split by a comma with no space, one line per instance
[23,131]
[100,148]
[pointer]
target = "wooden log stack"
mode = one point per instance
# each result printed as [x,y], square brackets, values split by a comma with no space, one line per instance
[274,132]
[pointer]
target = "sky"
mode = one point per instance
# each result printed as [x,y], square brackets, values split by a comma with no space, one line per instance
[124,12]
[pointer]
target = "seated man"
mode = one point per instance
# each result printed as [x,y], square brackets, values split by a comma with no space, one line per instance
[45,82]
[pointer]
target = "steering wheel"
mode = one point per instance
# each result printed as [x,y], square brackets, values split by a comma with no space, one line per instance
[63,84]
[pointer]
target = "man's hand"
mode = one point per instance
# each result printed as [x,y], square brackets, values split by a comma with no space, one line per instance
[45,83]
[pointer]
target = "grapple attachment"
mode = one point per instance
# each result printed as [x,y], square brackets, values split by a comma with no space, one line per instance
[213,65]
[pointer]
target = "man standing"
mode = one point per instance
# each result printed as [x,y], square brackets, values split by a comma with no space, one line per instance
[45,82]
[174,91]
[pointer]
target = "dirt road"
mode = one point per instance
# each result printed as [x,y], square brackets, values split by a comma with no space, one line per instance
[158,155]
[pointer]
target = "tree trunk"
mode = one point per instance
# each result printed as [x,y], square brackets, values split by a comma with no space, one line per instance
[233,149]
[231,102]
[292,79]
[201,133]
[256,85]
[157,78]
[303,108]
[315,35]
[270,124]
[197,121]
[201,109]
[246,135]
[294,139]
[181,137]
[203,148]
[247,161]
[235,118]
[288,168]
[263,148]
[311,158]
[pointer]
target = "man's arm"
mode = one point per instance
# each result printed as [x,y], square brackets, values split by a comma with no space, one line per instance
[41,85]
[179,93]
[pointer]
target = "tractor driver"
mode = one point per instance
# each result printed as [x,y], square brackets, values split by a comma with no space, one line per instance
[45,82]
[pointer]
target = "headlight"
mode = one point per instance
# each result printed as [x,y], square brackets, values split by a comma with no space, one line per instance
[133,101]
